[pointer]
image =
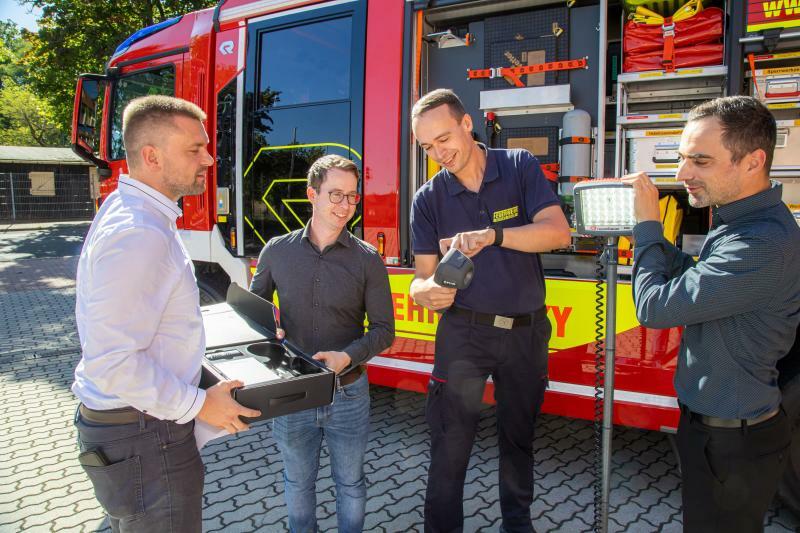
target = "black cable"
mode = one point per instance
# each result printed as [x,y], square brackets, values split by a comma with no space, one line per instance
[599,376]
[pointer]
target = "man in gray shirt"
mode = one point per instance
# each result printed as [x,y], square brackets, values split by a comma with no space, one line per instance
[740,305]
[328,281]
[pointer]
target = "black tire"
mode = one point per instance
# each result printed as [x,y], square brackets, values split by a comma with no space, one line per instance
[789,487]
[210,293]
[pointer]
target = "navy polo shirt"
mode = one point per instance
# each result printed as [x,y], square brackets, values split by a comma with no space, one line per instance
[514,189]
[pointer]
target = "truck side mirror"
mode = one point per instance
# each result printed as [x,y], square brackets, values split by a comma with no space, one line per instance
[87,119]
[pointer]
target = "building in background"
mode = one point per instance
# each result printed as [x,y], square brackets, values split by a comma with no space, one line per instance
[45,184]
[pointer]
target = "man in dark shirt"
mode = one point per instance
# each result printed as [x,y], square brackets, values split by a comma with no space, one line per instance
[496,207]
[740,305]
[328,281]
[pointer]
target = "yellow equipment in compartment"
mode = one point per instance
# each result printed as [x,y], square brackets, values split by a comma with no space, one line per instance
[652,12]
[671,218]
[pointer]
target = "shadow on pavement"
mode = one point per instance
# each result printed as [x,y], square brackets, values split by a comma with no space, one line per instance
[50,241]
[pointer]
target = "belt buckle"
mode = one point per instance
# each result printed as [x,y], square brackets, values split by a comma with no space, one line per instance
[503,322]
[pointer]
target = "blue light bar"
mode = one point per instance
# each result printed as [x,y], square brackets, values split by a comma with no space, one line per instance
[145,32]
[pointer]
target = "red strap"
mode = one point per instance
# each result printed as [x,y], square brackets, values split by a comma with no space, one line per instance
[514,73]
[575,140]
[550,171]
[752,60]
[668,58]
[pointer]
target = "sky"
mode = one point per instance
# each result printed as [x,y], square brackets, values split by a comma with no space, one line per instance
[22,15]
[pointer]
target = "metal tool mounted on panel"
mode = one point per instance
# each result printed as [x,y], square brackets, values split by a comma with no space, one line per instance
[448,39]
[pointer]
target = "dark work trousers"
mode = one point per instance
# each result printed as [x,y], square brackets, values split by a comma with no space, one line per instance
[730,475]
[466,355]
[154,480]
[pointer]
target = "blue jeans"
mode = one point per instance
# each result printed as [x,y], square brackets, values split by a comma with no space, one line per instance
[345,426]
[154,477]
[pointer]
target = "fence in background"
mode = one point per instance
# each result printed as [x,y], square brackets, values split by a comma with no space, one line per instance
[44,196]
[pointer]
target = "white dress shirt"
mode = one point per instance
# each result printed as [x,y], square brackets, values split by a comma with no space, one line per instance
[137,309]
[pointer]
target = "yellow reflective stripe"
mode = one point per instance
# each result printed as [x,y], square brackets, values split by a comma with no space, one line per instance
[255,230]
[768,25]
[353,223]
[283,201]
[286,201]
[294,146]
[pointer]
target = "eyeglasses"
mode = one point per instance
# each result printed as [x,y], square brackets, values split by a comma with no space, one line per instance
[336,197]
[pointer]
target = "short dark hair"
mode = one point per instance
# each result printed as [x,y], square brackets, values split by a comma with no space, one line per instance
[319,170]
[747,125]
[143,117]
[438,98]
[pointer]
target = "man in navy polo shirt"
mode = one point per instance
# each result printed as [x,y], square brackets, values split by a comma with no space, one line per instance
[496,207]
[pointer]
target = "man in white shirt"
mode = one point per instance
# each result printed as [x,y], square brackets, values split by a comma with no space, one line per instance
[141,331]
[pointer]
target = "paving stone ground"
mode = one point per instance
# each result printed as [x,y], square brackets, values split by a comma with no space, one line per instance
[42,487]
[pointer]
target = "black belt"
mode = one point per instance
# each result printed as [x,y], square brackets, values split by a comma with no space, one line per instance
[351,376]
[499,321]
[123,415]
[716,422]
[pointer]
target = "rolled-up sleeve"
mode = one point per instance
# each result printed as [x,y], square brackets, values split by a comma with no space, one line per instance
[380,314]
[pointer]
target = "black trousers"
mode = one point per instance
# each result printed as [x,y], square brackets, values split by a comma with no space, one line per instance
[466,355]
[154,480]
[730,475]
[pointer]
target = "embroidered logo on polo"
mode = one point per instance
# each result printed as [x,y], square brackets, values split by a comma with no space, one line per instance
[505,214]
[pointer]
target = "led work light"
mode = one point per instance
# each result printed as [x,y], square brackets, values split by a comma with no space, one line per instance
[604,207]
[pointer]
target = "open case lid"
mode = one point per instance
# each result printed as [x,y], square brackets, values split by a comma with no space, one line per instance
[244,318]
[254,308]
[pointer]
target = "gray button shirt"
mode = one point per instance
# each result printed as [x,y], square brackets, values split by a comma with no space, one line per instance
[324,296]
[740,303]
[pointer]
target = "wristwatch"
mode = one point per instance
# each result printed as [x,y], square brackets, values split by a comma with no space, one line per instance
[498,234]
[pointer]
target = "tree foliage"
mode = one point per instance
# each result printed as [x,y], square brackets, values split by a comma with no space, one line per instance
[77,36]
[12,48]
[25,118]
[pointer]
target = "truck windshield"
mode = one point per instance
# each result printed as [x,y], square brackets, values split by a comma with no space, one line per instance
[126,88]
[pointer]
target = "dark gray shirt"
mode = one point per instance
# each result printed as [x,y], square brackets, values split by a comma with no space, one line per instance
[740,303]
[326,295]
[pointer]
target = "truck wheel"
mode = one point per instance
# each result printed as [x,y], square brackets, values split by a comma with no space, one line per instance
[789,488]
[210,292]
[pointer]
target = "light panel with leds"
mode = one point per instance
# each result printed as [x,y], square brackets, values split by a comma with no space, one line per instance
[604,207]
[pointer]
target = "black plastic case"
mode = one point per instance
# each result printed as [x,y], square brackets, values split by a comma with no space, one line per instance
[302,383]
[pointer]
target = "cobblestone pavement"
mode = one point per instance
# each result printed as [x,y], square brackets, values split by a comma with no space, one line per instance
[42,487]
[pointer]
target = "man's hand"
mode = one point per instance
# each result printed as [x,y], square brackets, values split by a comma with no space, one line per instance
[468,242]
[428,293]
[336,361]
[222,411]
[645,199]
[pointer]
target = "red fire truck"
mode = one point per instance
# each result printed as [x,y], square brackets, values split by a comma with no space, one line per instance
[285,81]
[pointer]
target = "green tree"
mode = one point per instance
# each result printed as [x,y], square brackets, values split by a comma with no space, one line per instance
[26,119]
[77,36]
[12,48]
